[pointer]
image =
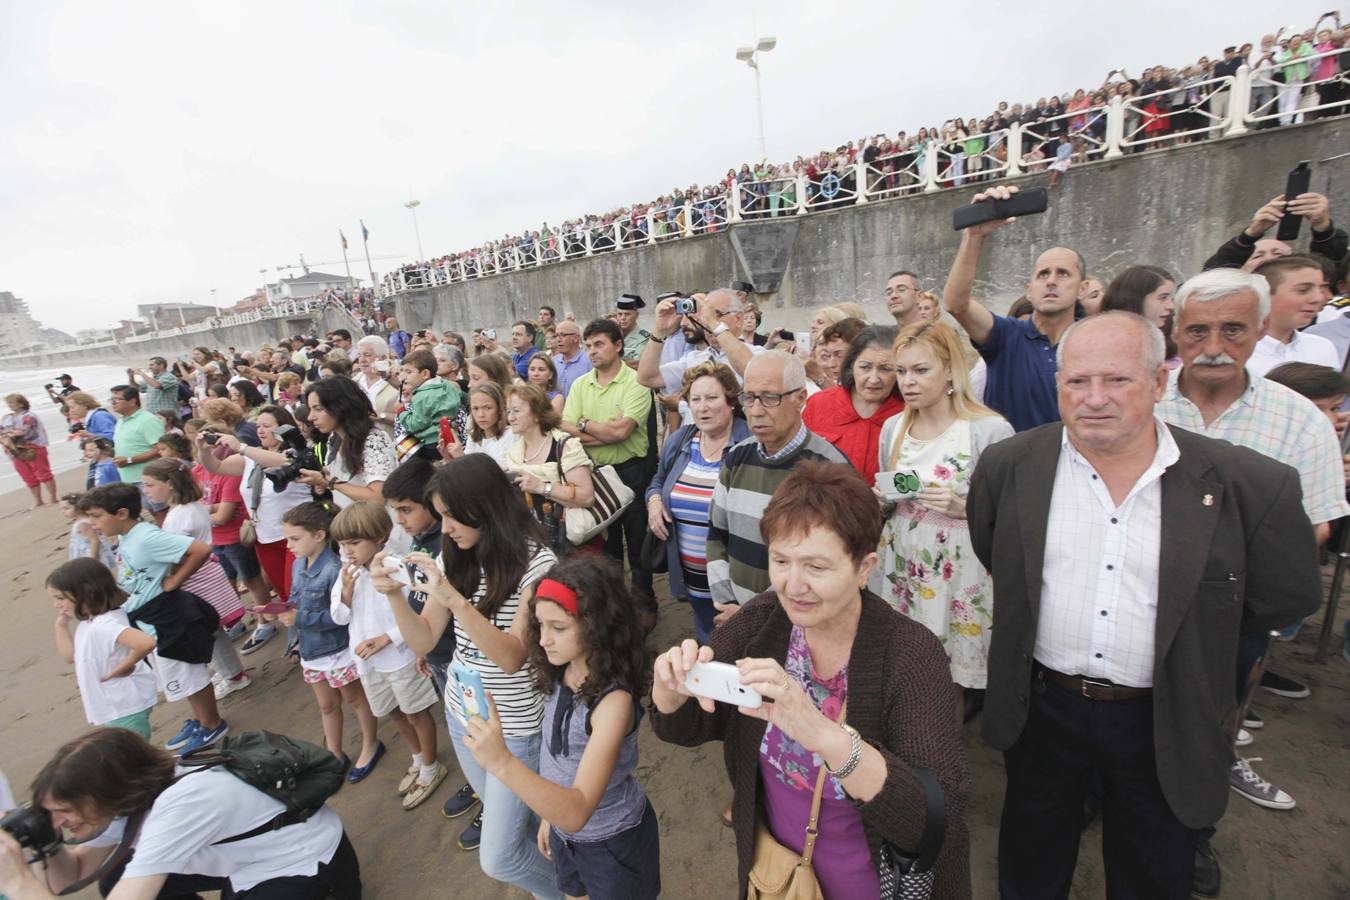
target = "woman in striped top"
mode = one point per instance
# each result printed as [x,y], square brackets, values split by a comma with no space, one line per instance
[492,555]
[680,494]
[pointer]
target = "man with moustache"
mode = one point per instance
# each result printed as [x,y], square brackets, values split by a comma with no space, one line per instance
[1218,321]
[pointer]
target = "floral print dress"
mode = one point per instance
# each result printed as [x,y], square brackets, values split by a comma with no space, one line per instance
[928,567]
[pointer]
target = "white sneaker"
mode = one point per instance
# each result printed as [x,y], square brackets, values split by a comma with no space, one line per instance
[1244,737]
[226,686]
[1244,780]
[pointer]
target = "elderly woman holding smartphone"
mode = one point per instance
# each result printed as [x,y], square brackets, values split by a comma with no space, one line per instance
[928,570]
[679,498]
[856,699]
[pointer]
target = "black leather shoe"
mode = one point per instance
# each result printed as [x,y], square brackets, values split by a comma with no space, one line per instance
[1206,880]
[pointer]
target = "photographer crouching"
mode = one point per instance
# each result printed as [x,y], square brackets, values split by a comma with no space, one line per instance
[144,827]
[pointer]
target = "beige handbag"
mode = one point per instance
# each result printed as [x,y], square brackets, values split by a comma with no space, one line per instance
[776,872]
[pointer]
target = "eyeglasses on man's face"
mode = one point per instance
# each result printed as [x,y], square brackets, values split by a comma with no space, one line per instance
[768,399]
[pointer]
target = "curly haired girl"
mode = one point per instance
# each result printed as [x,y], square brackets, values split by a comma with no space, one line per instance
[587,657]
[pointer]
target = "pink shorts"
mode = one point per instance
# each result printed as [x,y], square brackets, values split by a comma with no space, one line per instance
[336,678]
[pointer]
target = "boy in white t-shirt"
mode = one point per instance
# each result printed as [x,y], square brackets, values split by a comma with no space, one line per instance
[388,668]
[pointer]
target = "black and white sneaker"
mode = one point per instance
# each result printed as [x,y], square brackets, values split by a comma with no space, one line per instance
[1284,687]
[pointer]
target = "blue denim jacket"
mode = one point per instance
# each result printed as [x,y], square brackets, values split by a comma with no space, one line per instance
[311,592]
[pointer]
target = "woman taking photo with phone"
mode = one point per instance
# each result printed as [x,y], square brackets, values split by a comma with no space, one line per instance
[856,698]
[492,556]
[928,570]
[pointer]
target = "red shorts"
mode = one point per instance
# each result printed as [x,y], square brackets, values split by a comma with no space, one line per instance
[276,562]
[34,471]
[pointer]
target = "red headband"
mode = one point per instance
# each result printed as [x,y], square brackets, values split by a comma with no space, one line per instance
[559,593]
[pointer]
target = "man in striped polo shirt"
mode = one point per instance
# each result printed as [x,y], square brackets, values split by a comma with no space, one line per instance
[773,396]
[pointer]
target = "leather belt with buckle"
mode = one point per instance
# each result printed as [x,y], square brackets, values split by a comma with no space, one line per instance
[1098,689]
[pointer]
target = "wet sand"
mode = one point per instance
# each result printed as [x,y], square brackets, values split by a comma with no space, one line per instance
[1298,854]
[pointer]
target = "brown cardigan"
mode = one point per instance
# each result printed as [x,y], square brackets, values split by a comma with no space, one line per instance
[900,698]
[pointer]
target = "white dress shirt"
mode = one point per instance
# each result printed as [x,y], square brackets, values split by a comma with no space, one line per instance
[1304,348]
[1099,591]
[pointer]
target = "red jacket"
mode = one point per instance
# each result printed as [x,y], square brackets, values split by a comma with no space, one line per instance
[831,415]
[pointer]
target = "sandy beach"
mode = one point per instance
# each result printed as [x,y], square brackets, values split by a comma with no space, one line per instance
[1298,854]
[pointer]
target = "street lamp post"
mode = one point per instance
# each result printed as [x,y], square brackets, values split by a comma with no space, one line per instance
[750,56]
[411,206]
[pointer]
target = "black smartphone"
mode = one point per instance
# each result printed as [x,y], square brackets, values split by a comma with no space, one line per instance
[210,437]
[1300,178]
[786,334]
[1022,203]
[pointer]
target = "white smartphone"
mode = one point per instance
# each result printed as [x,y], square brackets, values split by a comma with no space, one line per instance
[721,682]
[396,570]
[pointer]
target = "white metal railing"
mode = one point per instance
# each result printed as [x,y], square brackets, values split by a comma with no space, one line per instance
[1175,113]
[1034,145]
[276,311]
[1209,109]
[767,197]
[1326,90]
[895,174]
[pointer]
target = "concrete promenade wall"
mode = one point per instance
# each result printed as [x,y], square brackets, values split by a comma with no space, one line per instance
[245,337]
[1169,207]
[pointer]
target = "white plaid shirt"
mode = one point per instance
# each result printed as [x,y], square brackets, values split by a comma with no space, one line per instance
[1276,422]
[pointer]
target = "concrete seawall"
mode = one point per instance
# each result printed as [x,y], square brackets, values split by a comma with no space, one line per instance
[245,337]
[1164,207]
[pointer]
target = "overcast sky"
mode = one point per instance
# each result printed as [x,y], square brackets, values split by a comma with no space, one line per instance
[151,152]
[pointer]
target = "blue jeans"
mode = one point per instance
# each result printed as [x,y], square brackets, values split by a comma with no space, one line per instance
[509,851]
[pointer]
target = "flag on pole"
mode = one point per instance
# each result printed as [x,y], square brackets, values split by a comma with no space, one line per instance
[344,239]
[365,232]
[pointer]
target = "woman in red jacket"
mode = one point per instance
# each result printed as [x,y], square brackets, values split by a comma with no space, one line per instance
[850,415]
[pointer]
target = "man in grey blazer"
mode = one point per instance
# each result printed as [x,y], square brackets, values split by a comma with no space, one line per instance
[1125,556]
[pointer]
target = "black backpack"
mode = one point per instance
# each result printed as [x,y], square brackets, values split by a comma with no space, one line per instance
[299,774]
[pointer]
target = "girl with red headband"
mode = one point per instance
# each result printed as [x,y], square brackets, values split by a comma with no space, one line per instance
[587,657]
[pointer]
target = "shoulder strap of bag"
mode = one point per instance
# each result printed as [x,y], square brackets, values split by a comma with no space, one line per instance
[256,478]
[812,831]
[934,820]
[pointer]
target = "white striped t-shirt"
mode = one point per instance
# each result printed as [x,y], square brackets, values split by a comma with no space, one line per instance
[521,707]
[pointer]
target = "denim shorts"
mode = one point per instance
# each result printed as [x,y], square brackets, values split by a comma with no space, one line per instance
[238,561]
[626,866]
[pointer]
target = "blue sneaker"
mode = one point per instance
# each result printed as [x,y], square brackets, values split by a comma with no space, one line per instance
[184,735]
[201,738]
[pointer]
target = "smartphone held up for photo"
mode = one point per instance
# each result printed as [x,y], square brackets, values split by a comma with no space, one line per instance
[1022,203]
[721,682]
[469,683]
[1300,179]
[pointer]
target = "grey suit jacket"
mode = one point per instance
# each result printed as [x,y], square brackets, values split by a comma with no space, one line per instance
[1248,559]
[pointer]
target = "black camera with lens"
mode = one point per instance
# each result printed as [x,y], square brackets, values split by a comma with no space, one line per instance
[210,437]
[48,386]
[32,828]
[300,454]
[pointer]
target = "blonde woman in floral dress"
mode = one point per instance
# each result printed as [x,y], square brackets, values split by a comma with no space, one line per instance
[928,570]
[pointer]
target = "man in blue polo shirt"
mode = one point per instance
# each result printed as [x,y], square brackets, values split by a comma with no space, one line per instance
[1020,354]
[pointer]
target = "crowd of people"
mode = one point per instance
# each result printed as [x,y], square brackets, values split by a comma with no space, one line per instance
[1080,521]
[1167,106]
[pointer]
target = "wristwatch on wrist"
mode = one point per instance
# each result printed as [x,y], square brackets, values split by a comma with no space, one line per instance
[854,754]
[548,489]
[581,424]
[721,327]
